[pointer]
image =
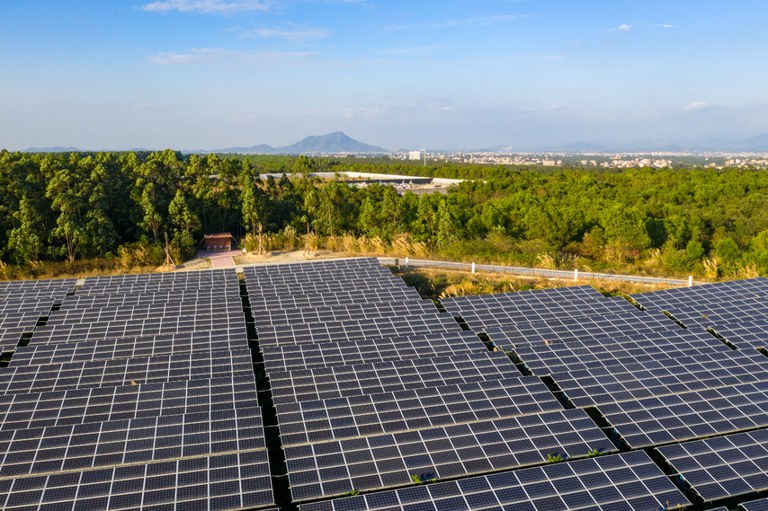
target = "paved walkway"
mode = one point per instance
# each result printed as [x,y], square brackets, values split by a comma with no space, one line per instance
[223,259]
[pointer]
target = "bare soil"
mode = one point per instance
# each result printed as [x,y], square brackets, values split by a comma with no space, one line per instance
[286,257]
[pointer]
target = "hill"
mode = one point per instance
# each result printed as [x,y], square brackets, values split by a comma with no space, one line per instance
[332,143]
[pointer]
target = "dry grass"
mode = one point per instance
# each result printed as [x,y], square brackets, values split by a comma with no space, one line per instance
[76,269]
[436,284]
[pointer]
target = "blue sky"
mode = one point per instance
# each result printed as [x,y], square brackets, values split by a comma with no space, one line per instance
[400,74]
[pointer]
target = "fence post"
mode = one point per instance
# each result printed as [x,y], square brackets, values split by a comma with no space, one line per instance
[406,264]
[576,275]
[473,267]
[690,280]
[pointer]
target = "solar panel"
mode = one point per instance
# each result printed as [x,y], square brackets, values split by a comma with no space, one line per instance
[165,309]
[344,312]
[92,331]
[353,329]
[444,405]
[257,293]
[268,302]
[105,373]
[755,505]
[339,381]
[100,404]
[192,278]
[14,286]
[206,297]
[615,353]
[122,442]
[745,334]
[238,480]
[539,297]
[726,466]
[660,377]
[576,328]
[313,272]
[719,302]
[308,355]
[37,306]
[131,347]
[373,462]
[628,481]
[689,415]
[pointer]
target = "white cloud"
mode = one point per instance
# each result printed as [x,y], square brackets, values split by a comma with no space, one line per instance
[206,6]
[664,25]
[696,106]
[220,55]
[297,35]
[624,27]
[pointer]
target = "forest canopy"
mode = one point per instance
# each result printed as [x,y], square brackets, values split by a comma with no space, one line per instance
[706,222]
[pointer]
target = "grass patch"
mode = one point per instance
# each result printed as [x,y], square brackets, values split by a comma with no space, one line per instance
[438,283]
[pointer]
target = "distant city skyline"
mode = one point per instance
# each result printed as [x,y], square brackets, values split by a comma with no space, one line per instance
[515,73]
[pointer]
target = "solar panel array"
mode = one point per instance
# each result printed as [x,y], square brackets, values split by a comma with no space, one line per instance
[134,392]
[654,380]
[138,392]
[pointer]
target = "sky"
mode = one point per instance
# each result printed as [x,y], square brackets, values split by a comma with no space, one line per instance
[448,74]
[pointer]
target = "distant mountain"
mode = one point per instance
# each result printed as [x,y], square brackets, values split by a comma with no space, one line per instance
[257,149]
[332,143]
[578,147]
[758,143]
[54,149]
[336,142]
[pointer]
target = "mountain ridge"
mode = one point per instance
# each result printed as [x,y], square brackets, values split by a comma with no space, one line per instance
[338,142]
[330,143]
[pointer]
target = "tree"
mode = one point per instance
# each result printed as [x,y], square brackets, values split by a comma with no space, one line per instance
[100,233]
[625,230]
[154,187]
[254,203]
[368,221]
[25,241]
[446,227]
[68,193]
[311,206]
[183,222]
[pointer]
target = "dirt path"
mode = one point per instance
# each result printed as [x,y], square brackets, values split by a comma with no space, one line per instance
[286,257]
[221,259]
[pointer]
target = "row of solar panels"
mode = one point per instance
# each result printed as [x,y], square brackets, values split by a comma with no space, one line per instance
[135,392]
